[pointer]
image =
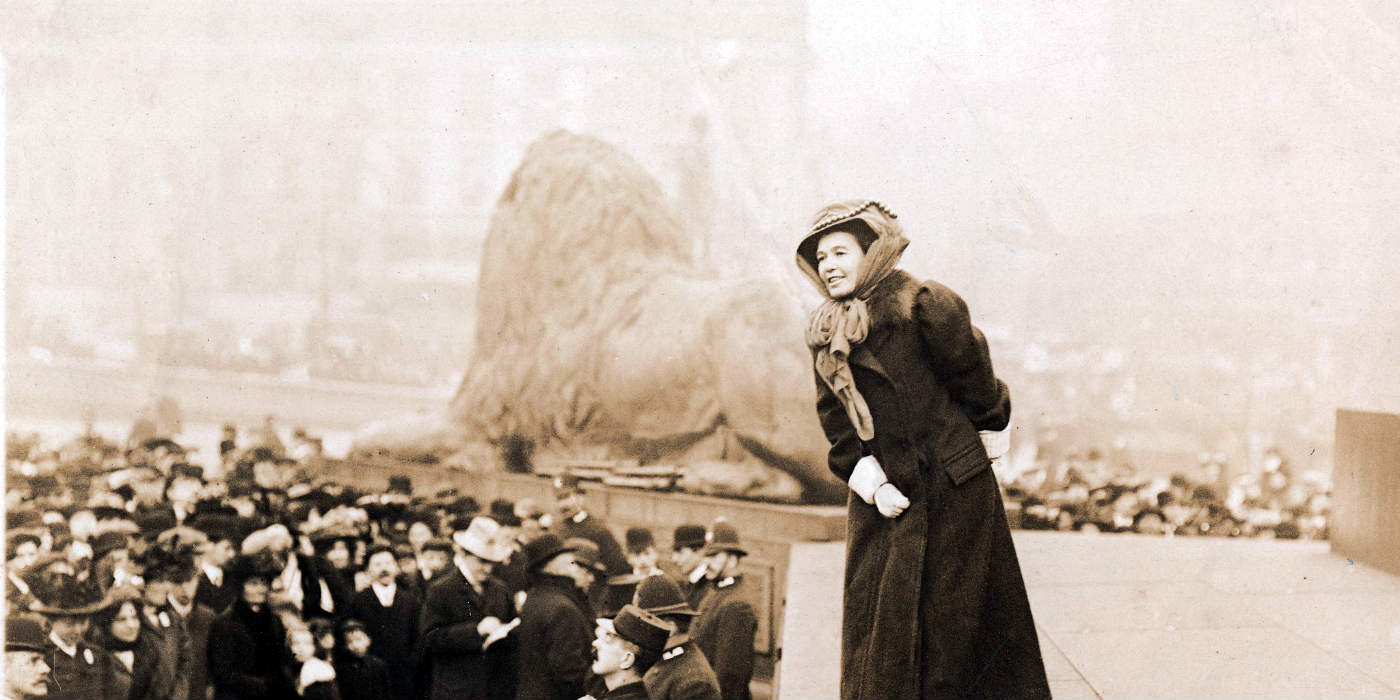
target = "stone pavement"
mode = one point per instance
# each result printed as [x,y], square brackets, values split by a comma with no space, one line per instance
[1131,616]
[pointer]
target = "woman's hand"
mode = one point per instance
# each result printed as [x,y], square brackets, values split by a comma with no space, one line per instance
[890,500]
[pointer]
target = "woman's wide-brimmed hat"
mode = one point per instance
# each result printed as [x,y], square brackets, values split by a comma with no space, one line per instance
[866,214]
[69,598]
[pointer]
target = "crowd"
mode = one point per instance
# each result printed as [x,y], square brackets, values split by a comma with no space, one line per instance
[1085,493]
[132,573]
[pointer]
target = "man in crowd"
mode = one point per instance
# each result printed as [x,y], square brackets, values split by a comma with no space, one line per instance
[625,647]
[464,606]
[727,623]
[26,673]
[688,554]
[389,615]
[683,672]
[214,589]
[555,624]
[77,670]
[194,620]
[576,521]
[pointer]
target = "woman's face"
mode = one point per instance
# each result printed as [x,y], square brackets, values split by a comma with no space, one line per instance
[126,625]
[255,590]
[838,261]
[339,555]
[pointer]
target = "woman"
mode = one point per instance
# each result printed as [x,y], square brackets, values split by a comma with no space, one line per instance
[137,672]
[934,601]
[245,641]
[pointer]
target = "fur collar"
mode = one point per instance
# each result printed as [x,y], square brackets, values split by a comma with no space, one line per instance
[892,302]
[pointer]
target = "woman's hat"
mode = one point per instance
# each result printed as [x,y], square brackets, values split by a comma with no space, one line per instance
[69,598]
[723,538]
[659,595]
[481,538]
[539,551]
[841,216]
[263,564]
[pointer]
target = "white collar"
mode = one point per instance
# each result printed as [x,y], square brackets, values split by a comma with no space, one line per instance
[215,574]
[182,611]
[385,594]
[69,650]
[19,582]
[697,574]
[726,582]
[579,517]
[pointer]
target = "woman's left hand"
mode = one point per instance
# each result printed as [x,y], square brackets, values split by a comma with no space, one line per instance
[890,500]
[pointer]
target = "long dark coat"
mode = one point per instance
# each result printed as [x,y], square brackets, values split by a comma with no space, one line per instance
[196,628]
[458,666]
[393,634]
[245,652]
[724,632]
[935,605]
[556,637]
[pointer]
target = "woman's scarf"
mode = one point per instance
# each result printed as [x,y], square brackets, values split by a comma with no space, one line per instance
[839,324]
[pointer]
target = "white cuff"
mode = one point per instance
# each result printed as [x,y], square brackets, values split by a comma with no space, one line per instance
[996,442]
[866,478]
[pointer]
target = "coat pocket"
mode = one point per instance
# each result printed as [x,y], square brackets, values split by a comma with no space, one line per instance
[965,462]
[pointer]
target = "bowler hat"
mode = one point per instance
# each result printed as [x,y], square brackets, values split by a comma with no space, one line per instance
[438,543]
[723,538]
[400,483]
[660,595]
[588,553]
[539,551]
[641,628]
[692,536]
[638,539]
[24,633]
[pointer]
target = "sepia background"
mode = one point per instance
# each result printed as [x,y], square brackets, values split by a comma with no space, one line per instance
[1176,223]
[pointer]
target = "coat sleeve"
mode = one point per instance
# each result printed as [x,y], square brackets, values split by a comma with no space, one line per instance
[733,663]
[569,652]
[846,448]
[443,627]
[960,357]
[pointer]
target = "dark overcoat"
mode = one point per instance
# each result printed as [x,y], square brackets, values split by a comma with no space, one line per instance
[724,632]
[683,673]
[458,666]
[245,652]
[82,676]
[393,634]
[935,605]
[196,628]
[556,638]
